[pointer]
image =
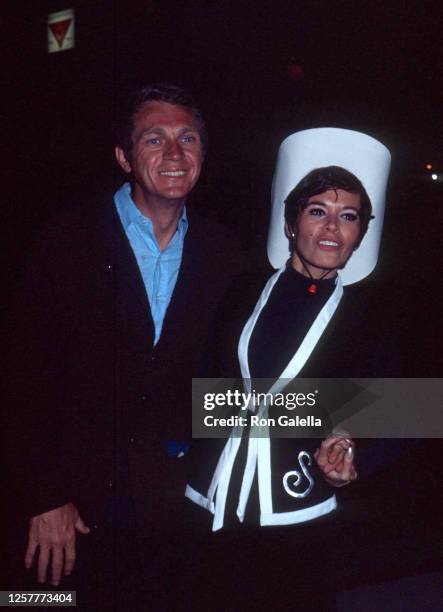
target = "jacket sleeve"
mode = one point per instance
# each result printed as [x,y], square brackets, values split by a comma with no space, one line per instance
[35,469]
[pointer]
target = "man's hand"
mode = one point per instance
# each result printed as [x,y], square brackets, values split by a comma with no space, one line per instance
[335,458]
[54,533]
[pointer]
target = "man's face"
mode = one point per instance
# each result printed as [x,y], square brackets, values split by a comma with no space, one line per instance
[327,231]
[166,155]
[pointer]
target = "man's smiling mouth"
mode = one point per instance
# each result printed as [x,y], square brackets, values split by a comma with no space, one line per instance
[173,173]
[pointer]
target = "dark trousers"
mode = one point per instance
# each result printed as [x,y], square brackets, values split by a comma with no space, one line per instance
[184,566]
[117,567]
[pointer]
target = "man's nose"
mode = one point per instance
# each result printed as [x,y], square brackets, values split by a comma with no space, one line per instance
[173,150]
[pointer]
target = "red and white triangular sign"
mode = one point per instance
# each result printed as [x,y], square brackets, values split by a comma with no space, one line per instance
[61,31]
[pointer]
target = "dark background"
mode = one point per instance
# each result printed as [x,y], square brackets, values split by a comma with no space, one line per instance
[260,70]
[366,65]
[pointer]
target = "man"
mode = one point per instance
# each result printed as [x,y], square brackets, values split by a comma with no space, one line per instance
[109,329]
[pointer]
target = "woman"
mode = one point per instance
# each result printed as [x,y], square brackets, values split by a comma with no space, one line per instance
[294,330]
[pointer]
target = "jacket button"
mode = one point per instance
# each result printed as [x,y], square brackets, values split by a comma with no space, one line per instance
[144,398]
[110,484]
[109,268]
[132,440]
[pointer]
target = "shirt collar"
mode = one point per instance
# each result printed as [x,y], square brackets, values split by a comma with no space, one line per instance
[129,213]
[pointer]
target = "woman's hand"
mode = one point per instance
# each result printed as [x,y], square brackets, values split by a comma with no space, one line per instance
[335,458]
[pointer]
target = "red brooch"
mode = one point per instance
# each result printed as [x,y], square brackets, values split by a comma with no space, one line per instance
[312,288]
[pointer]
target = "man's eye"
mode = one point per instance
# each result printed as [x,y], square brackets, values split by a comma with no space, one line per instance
[153,141]
[188,138]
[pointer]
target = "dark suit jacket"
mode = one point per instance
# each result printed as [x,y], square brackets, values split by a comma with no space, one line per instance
[87,395]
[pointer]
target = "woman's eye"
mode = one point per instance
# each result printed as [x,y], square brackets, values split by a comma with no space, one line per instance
[350,217]
[316,212]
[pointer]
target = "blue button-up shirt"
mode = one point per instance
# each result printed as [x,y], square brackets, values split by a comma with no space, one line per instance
[159,269]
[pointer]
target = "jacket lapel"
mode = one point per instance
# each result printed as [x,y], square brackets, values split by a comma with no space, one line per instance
[187,293]
[122,264]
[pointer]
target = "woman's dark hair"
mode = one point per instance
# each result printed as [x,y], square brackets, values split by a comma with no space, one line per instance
[320,180]
[158,92]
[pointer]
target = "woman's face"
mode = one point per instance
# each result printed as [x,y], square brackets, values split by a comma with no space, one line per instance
[327,231]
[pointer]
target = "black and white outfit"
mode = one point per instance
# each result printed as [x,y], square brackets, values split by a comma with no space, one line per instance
[277,340]
[249,481]
[266,497]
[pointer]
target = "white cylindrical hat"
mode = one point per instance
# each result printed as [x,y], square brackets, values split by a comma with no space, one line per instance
[358,153]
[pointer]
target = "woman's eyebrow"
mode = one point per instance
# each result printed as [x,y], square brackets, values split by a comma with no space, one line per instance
[326,204]
[357,210]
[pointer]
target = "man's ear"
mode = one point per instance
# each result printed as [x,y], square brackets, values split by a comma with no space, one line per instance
[121,160]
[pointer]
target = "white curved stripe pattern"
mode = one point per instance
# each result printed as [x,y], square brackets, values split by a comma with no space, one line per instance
[299,516]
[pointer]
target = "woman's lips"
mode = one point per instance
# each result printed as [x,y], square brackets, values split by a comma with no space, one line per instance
[328,245]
